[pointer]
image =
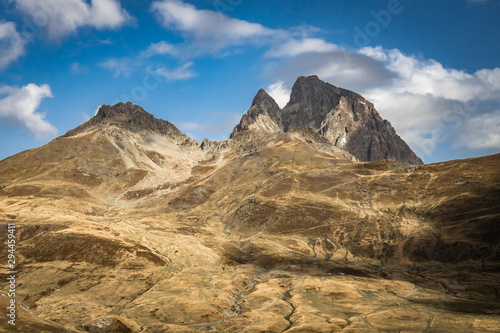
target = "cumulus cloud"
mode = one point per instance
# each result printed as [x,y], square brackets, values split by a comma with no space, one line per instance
[58,18]
[482,132]
[11,44]
[19,107]
[280,92]
[423,77]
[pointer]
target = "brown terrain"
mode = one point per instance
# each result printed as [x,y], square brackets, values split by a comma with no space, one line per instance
[125,224]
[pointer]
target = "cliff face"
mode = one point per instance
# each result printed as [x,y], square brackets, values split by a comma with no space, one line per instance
[344,117]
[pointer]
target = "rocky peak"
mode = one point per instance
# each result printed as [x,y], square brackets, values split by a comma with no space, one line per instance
[131,117]
[346,119]
[122,111]
[263,115]
[310,101]
[263,97]
[343,117]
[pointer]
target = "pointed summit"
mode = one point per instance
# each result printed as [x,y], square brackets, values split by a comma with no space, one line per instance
[263,115]
[263,97]
[346,119]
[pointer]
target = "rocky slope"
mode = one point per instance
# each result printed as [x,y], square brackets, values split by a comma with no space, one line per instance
[345,118]
[126,225]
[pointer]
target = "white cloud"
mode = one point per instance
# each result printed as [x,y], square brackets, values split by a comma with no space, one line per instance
[482,132]
[19,108]
[293,47]
[119,66]
[77,68]
[160,48]
[427,98]
[11,44]
[180,73]
[425,102]
[423,77]
[58,18]
[210,30]
[125,66]
[280,93]
[188,126]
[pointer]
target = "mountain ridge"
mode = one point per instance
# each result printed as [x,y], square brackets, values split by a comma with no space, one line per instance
[348,120]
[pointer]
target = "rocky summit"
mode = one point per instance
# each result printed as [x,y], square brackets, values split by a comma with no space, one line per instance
[313,218]
[345,118]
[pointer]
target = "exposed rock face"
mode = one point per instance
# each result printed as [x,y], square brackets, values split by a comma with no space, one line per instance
[345,118]
[310,102]
[263,115]
[133,118]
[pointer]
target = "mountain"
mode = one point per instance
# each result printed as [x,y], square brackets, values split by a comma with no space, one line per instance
[125,224]
[345,118]
[264,115]
[120,147]
[133,118]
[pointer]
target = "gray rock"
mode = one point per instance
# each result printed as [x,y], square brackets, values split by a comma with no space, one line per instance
[346,119]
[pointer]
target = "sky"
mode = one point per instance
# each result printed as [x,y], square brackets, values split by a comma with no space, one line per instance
[430,67]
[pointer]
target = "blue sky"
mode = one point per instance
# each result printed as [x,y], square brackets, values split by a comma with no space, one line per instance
[430,67]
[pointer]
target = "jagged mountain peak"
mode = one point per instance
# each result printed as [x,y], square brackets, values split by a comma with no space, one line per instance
[263,97]
[344,117]
[310,101]
[263,115]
